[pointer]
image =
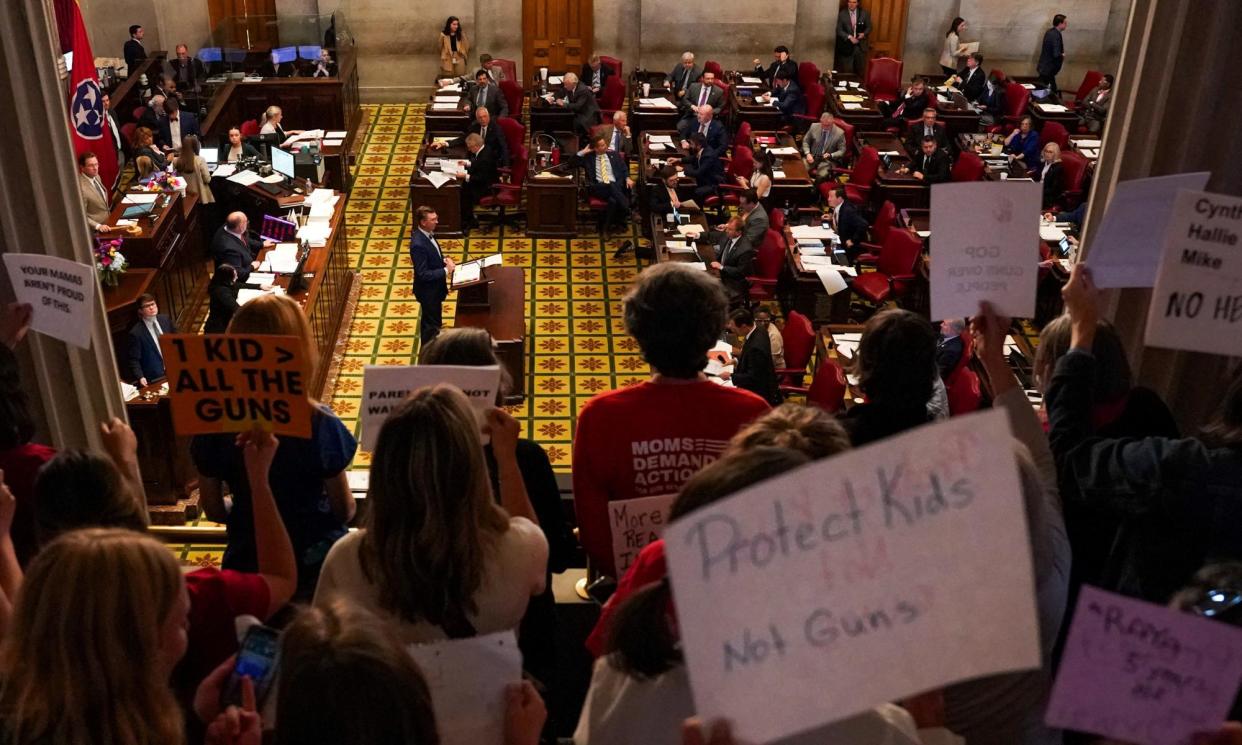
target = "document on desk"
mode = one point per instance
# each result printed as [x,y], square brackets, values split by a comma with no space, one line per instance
[783,151]
[493,260]
[333,143]
[1048,232]
[224,170]
[660,139]
[812,263]
[448,99]
[813,232]
[140,197]
[1125,251]
[657,147]
[283,259]
[275,178]
[656,103]
[444,106]
[467,272]
[436,178]
[315,234]
[752,80]
[1053,108]
[258,279]
[690,231]
[245,178]
[336,134]
[684,250]
[852,98]
[851,106]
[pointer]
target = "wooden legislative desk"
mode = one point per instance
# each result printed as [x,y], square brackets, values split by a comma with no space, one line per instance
[863,114]
[803,291]
[744,107]
[903,190]
[647,118]
[544,116]
[794,186]
[455,120]
[504,319]
[128,95]
[446,200]
[552,190]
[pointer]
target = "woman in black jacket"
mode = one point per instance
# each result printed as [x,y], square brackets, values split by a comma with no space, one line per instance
[222,299]
[1051,174]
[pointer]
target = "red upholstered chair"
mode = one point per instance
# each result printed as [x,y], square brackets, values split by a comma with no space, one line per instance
[798,338]
[883,78]
[885,218]
[776,220]
[250,128]
[969,167]
[713,67]
[741,164]
[127,136]
[862,175]
[808,73]
[1016,99]
[1054,132]
[612,98]
[508,195]
[894,272]
[1074,170]
[515,135]
[512,91]
[726,105]
[617,66]
[509,68]
[742,138]
[827,389]
[768,262]
[963,390]
[814,106]
[1090,80]
[137,113]
[1000,74]
[851,145]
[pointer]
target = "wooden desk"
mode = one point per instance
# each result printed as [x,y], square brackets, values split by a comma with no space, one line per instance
[1068,118]
[1085,145]
[457,120]
[958,115]
[552,192]
[649,118]
[256,201]
[988,147]
[828,345]
[546,117]
[903,190]
[744,107]
[805,291]
[163,456]
[662,233]
[796,187]
[505,320]
[446,200]
[867,117]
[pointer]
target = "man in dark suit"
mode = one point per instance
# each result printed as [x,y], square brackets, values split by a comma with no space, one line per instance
[486,95]
[608,179]
[135,52]
[928,127]
[481,174]
[595,74]
[853,27]
[432,271]
[912,104]
[705,123]
[1052,53]
[950,345]
[992,101]
[145,360]
[971,79]
[781,63]
[788,97]
[176,125]
[484,127]
[233,245]
[703,92]
[754,218]
[735,260]
[931,165]
[848,223]
[683,75]
[186,71]
[704,166]
[752,369]
[578,98]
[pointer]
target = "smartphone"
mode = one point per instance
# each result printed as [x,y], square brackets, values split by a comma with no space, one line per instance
[257,659]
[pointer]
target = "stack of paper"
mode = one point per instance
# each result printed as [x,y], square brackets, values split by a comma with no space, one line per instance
[851,106]
[336,135]
[832,280]
[128,392]
[436,178]
[323,196]
[468,272]
[437,106]
[852,98]
[847,349]
[682,250]
[813,232]
[140,197]
[316,234]
[1050,233]
[1053,108]
[224,170]
[657,147]
[812,263]
[783,151]
[451,87]
[752,81]
[808,247]
[245,178]
[656,103]
[308,135]
[691,231]
[275,178]
[283,259]
[660,139]
[259,279]
[447,99]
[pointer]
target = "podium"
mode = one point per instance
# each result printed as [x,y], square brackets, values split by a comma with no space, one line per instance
[496,303]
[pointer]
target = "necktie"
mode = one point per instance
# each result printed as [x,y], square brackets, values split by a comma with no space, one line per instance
[99,186]
[854,21]
[605,174]
[818,148]
[483,132]
[435,243]
[925,159]
[724,257]
[702,94]
[703,129]
[482,96]
[616,139]
[154,328]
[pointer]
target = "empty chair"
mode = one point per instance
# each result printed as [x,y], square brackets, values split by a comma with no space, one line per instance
[969,167]
[883,78]
[798,338]
[884,222]
[617,66]
[862,175]
[768,262]
[1054,132]
[894,274]
[713,67]
[508,195]
[512,92]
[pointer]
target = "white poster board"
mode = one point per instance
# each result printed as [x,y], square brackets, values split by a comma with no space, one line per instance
[876,574]
[467,679]
[635,523]
[384,387]
[1196,304]
[61,293]
[985,246]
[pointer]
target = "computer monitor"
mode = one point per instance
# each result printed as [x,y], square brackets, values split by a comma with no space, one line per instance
[68,61]
[309,53]
[234,56]
[282,162]
[284,55]
[208,55]
[210,155]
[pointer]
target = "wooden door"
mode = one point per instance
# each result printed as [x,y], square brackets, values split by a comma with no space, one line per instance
[556,34]
[888,27]
[244,24]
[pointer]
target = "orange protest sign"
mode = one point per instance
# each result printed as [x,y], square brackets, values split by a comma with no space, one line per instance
[226,383]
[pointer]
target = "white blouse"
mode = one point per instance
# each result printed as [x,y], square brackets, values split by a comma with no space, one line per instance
[948,58]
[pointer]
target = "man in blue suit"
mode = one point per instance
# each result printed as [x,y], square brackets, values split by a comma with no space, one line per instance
[176,124]
[608,178]
[146,361]
[788,97]
[705,123]
[704,166]
[1052,53]
[431,272]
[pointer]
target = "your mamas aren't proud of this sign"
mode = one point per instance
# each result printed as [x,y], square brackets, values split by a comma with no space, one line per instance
[60,292]
[856,580]
[227,383]
[1196,304]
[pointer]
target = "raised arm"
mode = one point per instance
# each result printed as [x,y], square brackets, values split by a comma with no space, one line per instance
[504,432]
[277,564]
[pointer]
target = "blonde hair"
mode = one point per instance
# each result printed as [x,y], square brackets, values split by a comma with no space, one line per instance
[278,315]
[271,113]
[808,429]
[145,165]
[1056,150]
[80,661]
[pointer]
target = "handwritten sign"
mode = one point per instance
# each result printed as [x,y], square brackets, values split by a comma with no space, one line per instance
[1124,252]
[634,523]
[384,387]
[467,679]
[881,572]
[1196,304]
[985,246]
[61,293]
[231,383]
[1144,673]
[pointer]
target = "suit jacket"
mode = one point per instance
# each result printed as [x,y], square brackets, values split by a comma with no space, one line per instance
[844,31]
[833,146]
[994,102]
[625,145]
[911,107]
[706,169]
[1054,183]
[189,126]
[715,97]
[936,170]
[1027,147]
[789,99]
[582,102]
[97,208]
[1094,108]
[284,70]
[755,226]
[753,370]
[430,274]
[851,225]
[619,171]
[717,137]
[491,97]
[145,360]
[227,248]
[973,85]
[736,264]
[194,73]
[484,174]
[659,200]
[789,67]
[221,305]
[495,140]
[587,76]
[134,53]
[1052,53]
[151,119]
[157,157]
[914,138]
[682,78]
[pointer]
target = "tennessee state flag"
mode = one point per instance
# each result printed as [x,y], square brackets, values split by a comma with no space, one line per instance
[87,120]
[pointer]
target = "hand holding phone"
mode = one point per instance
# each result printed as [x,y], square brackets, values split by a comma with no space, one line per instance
[257,660]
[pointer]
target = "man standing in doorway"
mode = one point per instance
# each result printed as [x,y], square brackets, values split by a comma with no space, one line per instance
[432,270]
[853,28]
[1052,54]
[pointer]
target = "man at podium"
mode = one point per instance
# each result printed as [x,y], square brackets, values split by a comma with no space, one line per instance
[431,272]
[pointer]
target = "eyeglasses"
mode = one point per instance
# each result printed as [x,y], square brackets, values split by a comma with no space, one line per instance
[1217,602]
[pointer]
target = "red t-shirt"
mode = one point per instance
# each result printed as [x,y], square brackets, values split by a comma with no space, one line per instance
[645,441]
[21,465]
[217,596]
[649,566]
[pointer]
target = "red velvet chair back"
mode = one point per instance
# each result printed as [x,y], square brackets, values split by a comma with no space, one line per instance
[776,220]
[617,66]
[1016,98]
[808,73]
[867,167]
[1054,132]
[127,136]
[968,348]
[963,391]
[828,387]
[884,218]
[771,256]
[814,99]
[520,163]
[514,132]
[901,250]
[743,162]
[742,138]
[1000,74]
[1074,168]
[799,340]
[1089,81]
[612,97]
[850,143]
[969,167]
[250,128]
[713,67]
[137,113]
[726,101]
[509,68]
[883,78]
[512,91]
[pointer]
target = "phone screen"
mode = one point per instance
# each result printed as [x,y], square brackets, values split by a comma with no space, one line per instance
[256,660]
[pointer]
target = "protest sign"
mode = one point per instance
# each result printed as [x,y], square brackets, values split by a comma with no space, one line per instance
[232,383]
[384,387]
[1196,304]
[467,679]
[863,578]
[61,293]
[1144,673]
[985,246]
[634,523]
[1125,251]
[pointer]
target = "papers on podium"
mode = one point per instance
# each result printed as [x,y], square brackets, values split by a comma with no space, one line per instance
[283,259]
